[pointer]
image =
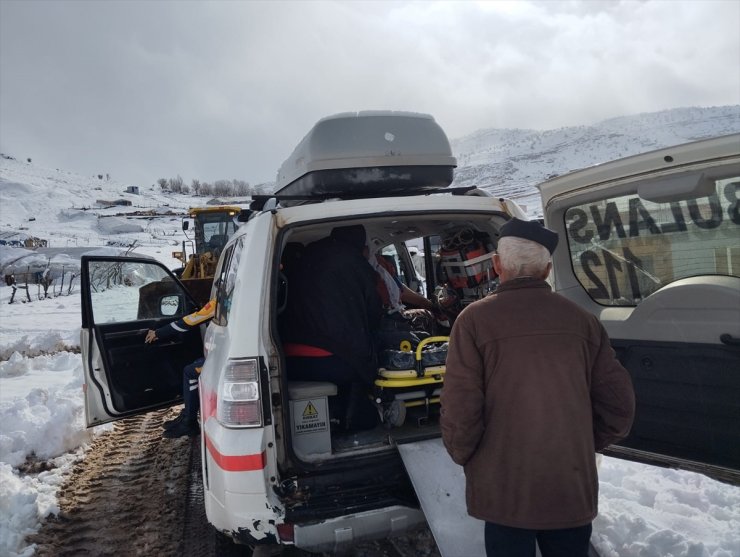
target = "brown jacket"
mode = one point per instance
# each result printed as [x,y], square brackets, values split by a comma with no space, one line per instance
[532,390]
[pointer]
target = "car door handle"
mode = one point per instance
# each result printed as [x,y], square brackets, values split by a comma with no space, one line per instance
[729,340]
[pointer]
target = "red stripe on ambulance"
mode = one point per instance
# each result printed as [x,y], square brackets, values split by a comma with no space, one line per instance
[235,463]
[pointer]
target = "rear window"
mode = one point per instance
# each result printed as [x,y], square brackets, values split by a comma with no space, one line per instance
[625,248]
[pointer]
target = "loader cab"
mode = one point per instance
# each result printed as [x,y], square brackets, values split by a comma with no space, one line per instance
[212,226]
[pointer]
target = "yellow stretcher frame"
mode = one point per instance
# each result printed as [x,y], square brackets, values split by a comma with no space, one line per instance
[417,377]
[419,369]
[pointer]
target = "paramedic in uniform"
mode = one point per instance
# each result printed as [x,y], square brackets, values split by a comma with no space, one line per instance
[187,422]
[532,390]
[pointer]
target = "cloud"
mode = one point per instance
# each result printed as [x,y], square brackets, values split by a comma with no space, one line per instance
[143,90]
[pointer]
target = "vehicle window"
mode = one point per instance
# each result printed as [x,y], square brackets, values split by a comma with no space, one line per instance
[416,251]
[129,291]
[218,232]
[390,253]
[226,282]
[625,248]
[419,254]
[435,243]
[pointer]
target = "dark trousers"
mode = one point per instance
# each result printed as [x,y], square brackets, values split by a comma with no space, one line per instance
[504,541]
[190,374]
[351,406]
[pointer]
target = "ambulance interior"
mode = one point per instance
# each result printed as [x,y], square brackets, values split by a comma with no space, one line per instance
[444,257]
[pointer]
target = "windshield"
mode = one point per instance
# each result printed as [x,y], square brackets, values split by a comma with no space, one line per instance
[213,230]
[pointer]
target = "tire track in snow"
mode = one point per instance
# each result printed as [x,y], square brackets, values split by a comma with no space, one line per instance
[137,494]
[127,497]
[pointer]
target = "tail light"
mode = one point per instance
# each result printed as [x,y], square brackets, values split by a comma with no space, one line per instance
[239,403]
[286,532]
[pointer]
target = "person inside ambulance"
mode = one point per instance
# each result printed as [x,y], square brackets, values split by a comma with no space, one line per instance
[186,423]
[395,295]
[464,270]
[332,313]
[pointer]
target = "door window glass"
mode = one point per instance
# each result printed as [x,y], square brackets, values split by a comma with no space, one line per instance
[226,282]
[625,248]
[133,290]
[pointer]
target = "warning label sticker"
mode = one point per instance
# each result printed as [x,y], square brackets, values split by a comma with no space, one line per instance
[310,416]
[310,411]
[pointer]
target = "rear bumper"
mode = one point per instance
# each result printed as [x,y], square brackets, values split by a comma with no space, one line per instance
[338,534]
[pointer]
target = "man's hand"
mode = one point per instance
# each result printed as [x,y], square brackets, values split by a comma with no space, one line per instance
[151,336]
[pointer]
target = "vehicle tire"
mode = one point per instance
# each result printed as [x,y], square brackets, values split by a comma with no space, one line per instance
[224,546]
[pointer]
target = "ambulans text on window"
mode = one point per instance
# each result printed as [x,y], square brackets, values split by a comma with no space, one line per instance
[625,248]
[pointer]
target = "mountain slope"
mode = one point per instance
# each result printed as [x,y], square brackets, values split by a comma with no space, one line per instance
[511,162]
[62,206]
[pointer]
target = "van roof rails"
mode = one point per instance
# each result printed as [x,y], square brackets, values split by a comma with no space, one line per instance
[259,201]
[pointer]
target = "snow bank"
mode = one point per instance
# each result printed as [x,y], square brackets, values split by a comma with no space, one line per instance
[10,254]
[49,420]
[71,215]
[114,225]
[26,500]
[652,512]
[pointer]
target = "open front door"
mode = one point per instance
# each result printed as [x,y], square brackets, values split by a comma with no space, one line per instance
[651,245]
[122,298]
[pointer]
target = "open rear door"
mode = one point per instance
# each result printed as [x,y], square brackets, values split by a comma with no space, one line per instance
[651,245]
[122,298]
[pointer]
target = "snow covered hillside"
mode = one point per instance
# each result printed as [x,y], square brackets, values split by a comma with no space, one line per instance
[67,209]
[511,162]
[68,214]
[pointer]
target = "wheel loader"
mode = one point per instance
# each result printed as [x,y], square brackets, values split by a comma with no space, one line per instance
[212,227]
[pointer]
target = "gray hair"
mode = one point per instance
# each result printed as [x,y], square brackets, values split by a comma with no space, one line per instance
[522,258]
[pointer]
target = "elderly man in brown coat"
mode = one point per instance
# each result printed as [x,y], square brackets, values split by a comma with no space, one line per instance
[533,389]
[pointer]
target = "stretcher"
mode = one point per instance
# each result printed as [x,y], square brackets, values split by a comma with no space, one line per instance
[418,386]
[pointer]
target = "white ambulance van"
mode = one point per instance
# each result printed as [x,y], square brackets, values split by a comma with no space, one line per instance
[650,244]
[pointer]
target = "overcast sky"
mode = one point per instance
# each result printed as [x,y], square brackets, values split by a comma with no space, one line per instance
[222,90]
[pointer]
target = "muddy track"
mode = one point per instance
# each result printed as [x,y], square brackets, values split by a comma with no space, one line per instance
[127,497]
[137,494]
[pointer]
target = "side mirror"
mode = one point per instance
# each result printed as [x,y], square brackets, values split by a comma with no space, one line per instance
[168,305]
[185,224]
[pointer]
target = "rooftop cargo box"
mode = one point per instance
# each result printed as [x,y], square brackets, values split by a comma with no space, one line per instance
[369,153]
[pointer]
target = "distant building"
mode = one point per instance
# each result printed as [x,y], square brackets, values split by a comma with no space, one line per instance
[132,189]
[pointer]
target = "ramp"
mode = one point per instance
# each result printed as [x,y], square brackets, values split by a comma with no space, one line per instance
[440,486]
